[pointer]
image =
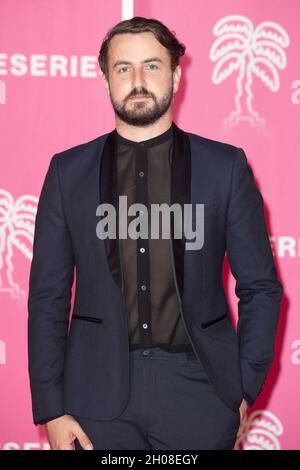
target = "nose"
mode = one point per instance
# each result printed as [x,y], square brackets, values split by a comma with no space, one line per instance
[138,80]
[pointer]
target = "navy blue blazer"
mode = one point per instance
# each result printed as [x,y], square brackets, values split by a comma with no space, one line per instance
[80,365]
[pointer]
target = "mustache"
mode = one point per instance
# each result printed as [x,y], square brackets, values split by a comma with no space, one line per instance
[132,95]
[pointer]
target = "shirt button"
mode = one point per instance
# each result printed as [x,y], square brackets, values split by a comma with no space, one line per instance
[143,287]
[145,326]
[141,174]
[142,250]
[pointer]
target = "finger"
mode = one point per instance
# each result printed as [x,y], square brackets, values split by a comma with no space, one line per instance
[83,438]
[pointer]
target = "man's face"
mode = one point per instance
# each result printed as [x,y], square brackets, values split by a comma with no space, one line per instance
[139,65]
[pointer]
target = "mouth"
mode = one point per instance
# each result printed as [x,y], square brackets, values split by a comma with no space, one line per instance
[140,97]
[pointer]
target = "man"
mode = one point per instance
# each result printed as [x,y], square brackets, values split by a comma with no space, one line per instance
[151,360]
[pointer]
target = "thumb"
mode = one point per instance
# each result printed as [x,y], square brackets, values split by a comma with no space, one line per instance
[83,438]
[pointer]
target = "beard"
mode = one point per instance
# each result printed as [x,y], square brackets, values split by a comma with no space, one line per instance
[142,112]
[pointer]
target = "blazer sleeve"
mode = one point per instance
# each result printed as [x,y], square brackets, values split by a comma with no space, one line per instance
[49,299]
[257,286]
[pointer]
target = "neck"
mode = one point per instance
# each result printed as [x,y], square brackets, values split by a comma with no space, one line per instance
[141,133]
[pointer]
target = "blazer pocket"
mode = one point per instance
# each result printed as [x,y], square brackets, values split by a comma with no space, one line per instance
[212,322]
[87,318]
[221,328]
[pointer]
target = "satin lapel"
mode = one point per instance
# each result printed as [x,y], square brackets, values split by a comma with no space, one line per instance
[180,193]
[108,194]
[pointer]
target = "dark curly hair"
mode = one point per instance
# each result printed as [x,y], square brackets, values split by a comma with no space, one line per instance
[138,25]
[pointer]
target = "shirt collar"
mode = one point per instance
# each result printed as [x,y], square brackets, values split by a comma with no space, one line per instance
[168,134]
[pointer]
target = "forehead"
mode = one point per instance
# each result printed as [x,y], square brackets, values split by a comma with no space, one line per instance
[136,47]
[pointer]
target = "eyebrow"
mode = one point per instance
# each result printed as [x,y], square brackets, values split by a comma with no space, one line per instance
[152,59]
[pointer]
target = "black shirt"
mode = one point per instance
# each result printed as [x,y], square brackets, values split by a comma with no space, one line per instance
[144,176]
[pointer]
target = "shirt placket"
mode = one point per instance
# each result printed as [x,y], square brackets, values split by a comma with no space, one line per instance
[142,246]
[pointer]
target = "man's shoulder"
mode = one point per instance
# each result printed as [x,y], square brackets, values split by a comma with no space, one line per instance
[81,150]
[213,149]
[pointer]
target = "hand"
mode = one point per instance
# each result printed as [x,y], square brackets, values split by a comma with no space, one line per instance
[62,431]
[243,411]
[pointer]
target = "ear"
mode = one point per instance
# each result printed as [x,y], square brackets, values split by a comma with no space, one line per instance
[176,78]
[105,83]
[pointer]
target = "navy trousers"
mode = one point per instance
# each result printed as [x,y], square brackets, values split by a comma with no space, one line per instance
[172,406]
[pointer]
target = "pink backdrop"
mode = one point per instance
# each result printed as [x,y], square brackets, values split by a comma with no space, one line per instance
[52,98]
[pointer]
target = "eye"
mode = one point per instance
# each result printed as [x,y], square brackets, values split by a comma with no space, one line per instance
[153,65]
[122,68]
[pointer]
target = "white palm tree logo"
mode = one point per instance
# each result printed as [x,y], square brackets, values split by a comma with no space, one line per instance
[250,51]
[16,231]
[260,431]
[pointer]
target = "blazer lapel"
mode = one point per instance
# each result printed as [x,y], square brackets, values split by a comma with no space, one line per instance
[180,193]
[108,194]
